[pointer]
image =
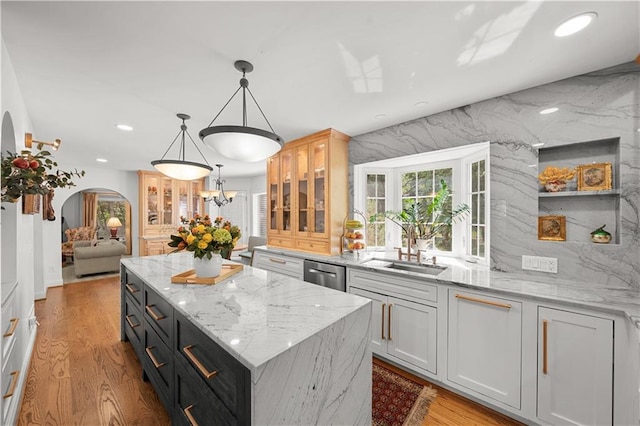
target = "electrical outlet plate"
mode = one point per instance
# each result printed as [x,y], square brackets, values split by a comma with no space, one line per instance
[540,264]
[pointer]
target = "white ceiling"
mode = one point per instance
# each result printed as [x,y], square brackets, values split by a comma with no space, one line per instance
[83,67]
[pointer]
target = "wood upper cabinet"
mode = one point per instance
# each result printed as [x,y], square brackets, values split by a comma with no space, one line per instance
[162,201]
[307,192]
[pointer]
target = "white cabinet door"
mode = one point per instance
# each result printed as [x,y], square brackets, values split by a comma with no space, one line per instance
[378,317]
[575,368]
[485,345]
[412,333]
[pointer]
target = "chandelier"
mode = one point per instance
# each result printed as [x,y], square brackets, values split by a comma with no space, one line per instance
[181,169]
[218,196]
[242,143]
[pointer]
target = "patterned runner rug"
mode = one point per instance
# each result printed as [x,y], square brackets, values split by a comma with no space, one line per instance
[398,401]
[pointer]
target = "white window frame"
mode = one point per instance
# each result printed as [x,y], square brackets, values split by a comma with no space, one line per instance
[460,158]
[255,223]
[468,160]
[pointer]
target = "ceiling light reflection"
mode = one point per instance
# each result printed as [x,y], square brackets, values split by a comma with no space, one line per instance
[575,24]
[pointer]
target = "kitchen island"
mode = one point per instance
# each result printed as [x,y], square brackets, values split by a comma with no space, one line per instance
[259,347]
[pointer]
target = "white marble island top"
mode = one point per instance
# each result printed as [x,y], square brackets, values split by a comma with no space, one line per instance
[254,315]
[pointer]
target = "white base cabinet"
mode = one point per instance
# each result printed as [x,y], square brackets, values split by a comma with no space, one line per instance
[401,330]
[485,345]
[575,368]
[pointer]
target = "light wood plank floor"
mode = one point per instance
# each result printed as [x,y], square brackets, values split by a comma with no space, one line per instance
[82,374]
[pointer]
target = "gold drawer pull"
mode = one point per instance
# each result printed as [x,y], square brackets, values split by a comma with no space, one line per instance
[14,383]
[153,314]
[128,318]
[196,361]
[384,305]
[282,262]
[14,325]
[389,323]
[544,346]
[155,362]
[486,302]
[187,412]
[131,288]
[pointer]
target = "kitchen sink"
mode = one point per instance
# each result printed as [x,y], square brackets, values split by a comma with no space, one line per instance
[406,266]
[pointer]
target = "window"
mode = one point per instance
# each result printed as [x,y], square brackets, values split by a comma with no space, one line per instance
[477,222]
[398,182]
[108,207]
[419,187]
[376,206]
[260,214]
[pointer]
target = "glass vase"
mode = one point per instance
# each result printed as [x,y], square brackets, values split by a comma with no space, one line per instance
[208,268]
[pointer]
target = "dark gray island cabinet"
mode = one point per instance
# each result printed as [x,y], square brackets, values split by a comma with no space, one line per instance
[258,348]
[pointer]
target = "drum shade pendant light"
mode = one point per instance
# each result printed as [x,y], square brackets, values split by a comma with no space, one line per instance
[181,169]
[242,143]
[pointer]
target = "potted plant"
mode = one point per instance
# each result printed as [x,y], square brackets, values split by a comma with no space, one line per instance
[424,220]
[32,174]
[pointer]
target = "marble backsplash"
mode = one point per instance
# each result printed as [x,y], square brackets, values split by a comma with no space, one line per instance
[600,105]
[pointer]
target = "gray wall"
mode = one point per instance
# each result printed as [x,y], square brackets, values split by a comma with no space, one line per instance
[594,106]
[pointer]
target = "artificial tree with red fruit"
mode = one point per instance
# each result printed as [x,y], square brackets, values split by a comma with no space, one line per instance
[28,173]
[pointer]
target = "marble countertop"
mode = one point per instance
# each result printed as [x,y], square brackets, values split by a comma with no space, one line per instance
[621,300]
[255,314]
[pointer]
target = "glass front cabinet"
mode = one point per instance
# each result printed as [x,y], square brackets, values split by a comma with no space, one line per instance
[307,191]
[162,202]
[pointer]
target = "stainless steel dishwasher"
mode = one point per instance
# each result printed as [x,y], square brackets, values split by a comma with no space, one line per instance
[325,274]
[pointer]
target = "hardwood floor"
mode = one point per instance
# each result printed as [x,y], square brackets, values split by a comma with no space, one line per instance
[451,409]
[82,374]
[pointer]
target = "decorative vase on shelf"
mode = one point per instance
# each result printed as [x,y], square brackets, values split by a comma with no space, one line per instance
[555,186]
[601,236]
[208,268]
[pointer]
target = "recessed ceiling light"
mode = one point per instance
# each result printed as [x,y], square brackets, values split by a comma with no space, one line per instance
[124,127]
[548,111]
[575,24]
[381,116]
[535,145]
[532,165]
[421,104]
[101,160]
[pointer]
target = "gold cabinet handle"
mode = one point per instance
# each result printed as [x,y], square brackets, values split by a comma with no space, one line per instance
[384,305]
[128,318]
[131,288]
[187,412]
[196,361]
[14,325]
[281,262]
[389,321]
[14,383]
[486,302]
[545,324]
[155,362]
[153,314]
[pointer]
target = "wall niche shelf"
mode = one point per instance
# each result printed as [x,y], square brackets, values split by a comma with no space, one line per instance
[585,211]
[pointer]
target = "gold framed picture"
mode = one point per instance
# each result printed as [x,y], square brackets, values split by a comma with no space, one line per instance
[552,228]
[594,177]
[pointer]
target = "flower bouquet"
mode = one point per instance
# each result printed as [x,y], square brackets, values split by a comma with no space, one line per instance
[204,237]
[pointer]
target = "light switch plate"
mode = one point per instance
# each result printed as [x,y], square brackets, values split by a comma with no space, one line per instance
[540,264]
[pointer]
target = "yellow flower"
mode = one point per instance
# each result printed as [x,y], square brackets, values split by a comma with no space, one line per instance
[207,238]
[202,245]
[198,229]
[190,239]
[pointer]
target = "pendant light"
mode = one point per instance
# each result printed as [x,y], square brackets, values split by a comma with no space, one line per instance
[242,143]
[218,196]
[181,169]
